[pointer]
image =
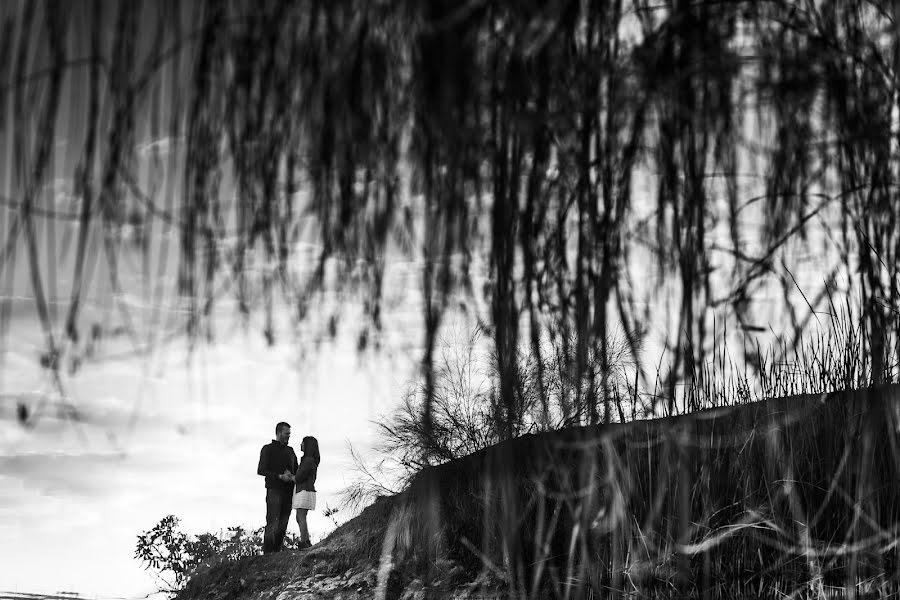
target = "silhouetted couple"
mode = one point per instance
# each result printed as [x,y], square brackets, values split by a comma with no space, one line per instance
[289,485]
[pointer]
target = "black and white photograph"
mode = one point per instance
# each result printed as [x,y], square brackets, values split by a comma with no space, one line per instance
[463,299]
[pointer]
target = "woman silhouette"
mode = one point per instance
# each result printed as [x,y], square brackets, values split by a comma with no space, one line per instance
[304,486]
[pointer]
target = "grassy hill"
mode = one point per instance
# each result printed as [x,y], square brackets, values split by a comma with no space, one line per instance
[788,496]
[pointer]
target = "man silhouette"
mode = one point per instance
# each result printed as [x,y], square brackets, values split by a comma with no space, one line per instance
[277,463]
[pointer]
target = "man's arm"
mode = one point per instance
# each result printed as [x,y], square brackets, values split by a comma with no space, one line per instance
[263,468]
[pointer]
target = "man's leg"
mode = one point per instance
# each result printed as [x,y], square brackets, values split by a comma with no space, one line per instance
[273,512]
[284,516]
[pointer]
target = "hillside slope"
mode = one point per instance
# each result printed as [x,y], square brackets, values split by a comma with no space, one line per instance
[759,500]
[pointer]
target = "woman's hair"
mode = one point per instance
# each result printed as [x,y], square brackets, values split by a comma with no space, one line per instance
[311,448]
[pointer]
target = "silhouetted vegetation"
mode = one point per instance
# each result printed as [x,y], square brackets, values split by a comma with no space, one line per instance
[560,170]
[541,154]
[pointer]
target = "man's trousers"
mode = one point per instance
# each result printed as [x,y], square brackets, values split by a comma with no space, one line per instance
[278,513]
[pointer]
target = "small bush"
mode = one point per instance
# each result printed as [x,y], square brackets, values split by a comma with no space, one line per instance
[176,556]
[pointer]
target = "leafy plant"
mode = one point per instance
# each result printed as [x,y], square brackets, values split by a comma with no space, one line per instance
[176,556]
[330,512]
[163,548]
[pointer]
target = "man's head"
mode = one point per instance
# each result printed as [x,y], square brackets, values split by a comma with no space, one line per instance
[283,432]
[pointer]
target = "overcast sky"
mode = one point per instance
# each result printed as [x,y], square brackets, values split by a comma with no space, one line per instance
[165,439]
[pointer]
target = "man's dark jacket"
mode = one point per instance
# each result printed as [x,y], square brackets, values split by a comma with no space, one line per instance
[274,459]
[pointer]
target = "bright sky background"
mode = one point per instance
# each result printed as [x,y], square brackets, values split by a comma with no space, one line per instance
[171,439]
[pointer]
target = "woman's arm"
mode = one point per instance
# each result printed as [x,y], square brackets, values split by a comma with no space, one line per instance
[305,469]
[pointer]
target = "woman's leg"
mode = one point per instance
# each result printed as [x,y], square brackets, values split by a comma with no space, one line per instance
[301,522]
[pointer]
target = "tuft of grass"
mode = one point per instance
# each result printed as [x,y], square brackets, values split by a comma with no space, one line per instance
[834,358]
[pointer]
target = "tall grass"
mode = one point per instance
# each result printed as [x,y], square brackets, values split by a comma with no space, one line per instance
[832,358]
[735,497]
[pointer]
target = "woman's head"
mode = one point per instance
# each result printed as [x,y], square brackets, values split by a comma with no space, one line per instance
[310,447]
